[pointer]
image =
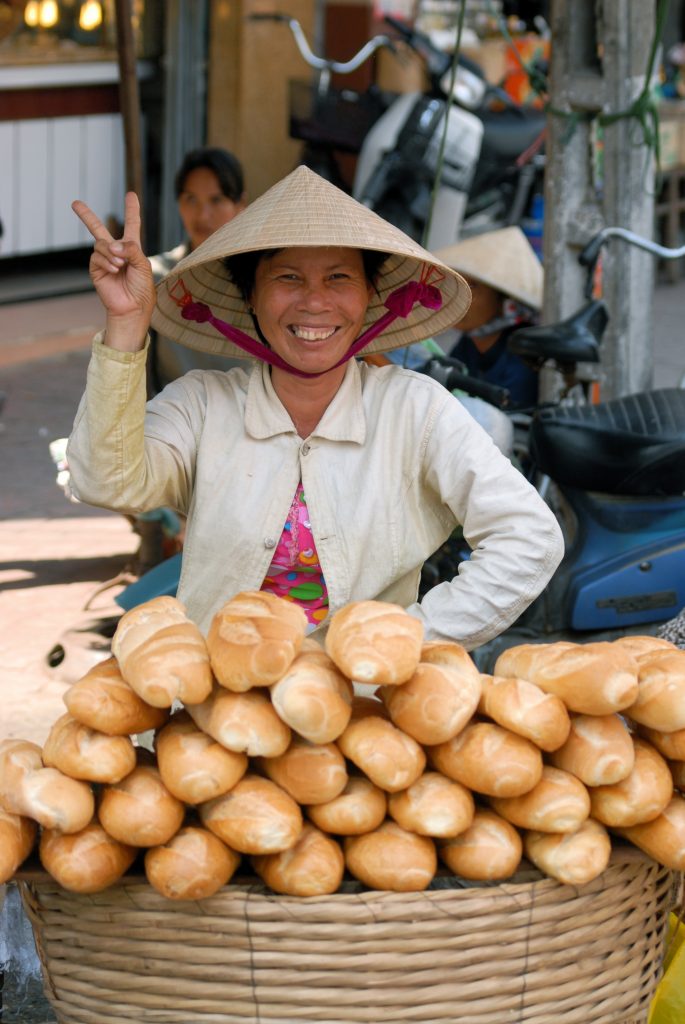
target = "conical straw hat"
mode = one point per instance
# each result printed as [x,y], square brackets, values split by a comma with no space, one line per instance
[305,210]
[503,259]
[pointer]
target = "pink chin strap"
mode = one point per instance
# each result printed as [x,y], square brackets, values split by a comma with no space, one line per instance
[398,304]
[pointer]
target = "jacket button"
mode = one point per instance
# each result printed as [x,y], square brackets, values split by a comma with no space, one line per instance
[305,448]
[269,542]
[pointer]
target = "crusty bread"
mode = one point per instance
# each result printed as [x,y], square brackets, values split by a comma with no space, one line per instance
[573,858]
[45,795]
[103,700]
[193,766]
[311,773]
[599,750]
[313,697]
[638,644]
[253,639]
[490,849]
[162,654]
[670,745]
[193,865]
[677,769]
[255,817]
[361,807]
[660,702]
[140,810]
[662,838]
[559,803]
[490,760]
[433,806]
[375,642]
[592,679]
[391,858]
[314,866]
[17,838]
[640,796]
[83,753]
[435,703]
[86,861]
[390,758]
[525,709]
[243,722]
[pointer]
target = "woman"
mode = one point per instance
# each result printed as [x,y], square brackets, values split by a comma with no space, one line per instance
[313,466]
[209,193]
[506,281]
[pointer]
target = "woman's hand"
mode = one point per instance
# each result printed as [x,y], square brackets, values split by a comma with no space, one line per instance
[122,276]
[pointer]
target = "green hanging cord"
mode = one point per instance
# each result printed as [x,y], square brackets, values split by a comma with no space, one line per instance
[443,140]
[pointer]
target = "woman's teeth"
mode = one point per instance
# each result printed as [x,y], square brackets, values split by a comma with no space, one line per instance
[313,333]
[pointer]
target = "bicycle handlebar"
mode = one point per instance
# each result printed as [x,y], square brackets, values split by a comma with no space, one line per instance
[322,63]
[589,254]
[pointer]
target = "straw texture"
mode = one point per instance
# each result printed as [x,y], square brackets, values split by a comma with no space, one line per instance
[503,259]
[305,210]
[524,952]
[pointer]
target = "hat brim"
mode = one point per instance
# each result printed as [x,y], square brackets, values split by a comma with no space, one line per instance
[303,210]
[502,259]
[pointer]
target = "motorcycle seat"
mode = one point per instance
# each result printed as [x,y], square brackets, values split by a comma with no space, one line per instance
[629,446]
[508,133]
[574,340]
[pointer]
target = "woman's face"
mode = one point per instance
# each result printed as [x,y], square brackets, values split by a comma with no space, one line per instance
[203,207]
[486,304]
[311,304]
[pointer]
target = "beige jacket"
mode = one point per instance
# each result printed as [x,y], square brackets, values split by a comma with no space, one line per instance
[394,465]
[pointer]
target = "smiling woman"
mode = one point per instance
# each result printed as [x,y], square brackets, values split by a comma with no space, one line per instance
[312,475]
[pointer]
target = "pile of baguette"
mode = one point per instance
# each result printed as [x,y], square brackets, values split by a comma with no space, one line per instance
[263,751]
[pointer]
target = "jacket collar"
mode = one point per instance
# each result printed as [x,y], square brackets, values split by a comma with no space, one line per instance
[343,420]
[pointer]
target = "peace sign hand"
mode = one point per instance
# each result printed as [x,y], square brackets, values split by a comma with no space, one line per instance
[121,274]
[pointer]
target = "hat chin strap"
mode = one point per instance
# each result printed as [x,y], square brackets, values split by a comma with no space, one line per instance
[398,304]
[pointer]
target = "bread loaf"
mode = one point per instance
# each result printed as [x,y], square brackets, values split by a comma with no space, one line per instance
[83,753]
[243,722]
[104,701]
[525,709]
[17,838]
[391,858]
[639,645]
[46,795]
[662,838]
[660,701]
[375,642]
[435,704]
[592,679]
[193,766]
[677,769]
[313,697]
[433,806]
[390,758]
[559,803]
[490,760]
[87,861]
[361,807]
[140,810]
[310,773]
[193,865]
[573,858]
[599,750]
[641,796]
[254,638]
[490,849]
[670,745]
[314,866]
[162,654]
[255,817]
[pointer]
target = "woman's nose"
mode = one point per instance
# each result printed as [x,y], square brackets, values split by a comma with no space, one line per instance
[314,296]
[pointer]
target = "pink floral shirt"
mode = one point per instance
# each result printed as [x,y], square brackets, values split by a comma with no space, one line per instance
[295,573]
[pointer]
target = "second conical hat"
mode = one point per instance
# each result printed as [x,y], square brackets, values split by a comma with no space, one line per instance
[503,259]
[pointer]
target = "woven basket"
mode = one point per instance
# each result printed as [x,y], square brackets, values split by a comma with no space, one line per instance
[530,950]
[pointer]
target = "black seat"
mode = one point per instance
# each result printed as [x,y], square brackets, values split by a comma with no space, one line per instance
[508,133]
[574,340]
[631,446]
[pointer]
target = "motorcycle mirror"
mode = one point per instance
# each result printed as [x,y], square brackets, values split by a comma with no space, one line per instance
[469,90]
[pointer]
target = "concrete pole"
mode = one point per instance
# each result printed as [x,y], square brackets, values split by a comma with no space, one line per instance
[600,52]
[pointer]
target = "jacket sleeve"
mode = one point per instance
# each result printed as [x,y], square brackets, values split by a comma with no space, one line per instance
[515,538]
[126,455]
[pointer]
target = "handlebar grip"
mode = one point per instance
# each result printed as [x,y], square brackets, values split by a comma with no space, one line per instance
[589,254]
[491,393]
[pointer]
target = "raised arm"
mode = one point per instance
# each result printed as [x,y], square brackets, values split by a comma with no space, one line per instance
[122,276]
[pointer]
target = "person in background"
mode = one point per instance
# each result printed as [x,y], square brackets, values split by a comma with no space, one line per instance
[210,192]
[506,281]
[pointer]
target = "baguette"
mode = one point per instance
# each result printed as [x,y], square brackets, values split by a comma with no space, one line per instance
[360,808]
[313,697]
[433,806]
[490,760]
[390,758]
[83,753]
[662,838]
[599,750]
[525,709]
[87,861]
[435,703]
[17,839]
[559,803]
[314,866]
[140,810]
[193,865]
[45,795]
[489,850]
[638,798]
[255,817]
[310,773]
[391,858]
[572,858]
[243,722]
[660,701]
[375,642]
[193,766]
[104,701]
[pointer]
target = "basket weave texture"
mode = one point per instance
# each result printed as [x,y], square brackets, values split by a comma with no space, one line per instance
[524,951]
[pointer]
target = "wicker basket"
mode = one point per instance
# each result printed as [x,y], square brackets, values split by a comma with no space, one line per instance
[530,950]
